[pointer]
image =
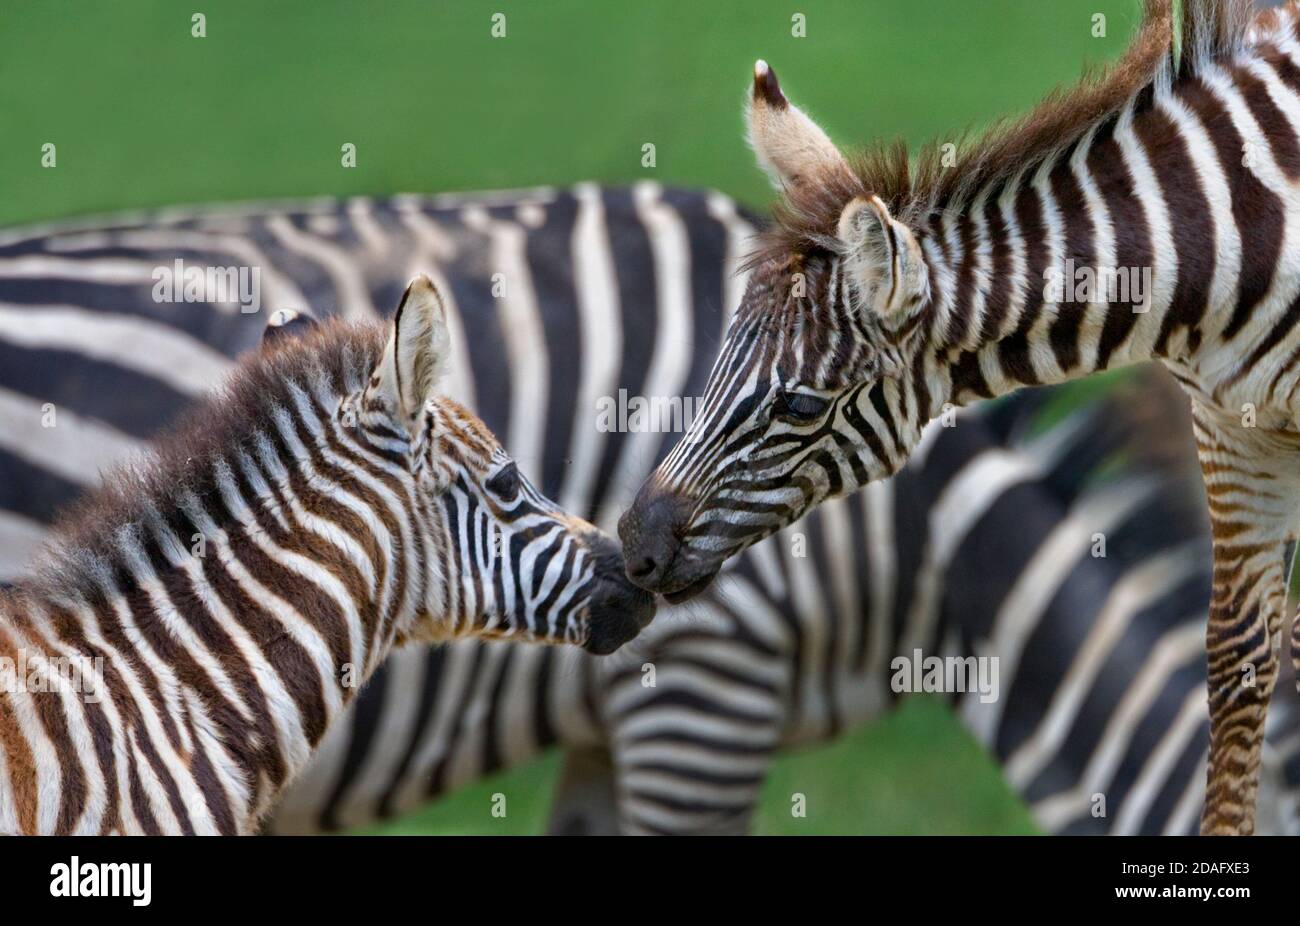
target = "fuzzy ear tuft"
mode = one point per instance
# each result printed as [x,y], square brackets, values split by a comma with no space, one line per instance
[789,145]
[883,259]
[416,357]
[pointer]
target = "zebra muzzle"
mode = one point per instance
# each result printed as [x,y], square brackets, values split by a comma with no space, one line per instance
[619,610]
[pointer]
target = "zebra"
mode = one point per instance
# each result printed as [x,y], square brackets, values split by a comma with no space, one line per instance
[201,620]
[615,289]
[797,650]
[1142,215]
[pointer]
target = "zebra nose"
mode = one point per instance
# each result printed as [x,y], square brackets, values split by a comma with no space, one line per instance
[643,567]
[650,531]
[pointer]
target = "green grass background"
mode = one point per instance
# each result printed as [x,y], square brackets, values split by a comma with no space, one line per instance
[144,114]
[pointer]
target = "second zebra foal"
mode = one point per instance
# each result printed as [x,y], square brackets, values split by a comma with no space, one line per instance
[198,623]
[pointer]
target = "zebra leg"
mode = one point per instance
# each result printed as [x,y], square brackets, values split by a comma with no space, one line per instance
[584,802]
[1251,519]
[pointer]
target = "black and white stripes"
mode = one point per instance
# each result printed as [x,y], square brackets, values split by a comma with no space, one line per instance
[626,284]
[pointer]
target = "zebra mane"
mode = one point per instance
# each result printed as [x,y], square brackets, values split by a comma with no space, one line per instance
[334,358]
[916,187]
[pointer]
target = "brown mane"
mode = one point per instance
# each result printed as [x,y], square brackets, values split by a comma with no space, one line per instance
[86,535]
[916,188]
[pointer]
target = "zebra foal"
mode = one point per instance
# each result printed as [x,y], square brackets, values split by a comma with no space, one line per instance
[1147,214]
[200,621]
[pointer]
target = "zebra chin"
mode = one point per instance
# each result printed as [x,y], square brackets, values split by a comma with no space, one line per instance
[619,610]
[618,613]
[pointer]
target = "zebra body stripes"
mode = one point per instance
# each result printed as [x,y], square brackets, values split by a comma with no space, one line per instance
[925,284]
[203,618]
[657,265]
[623,284]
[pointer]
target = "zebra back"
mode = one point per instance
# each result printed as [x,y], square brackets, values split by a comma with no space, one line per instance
[568,304]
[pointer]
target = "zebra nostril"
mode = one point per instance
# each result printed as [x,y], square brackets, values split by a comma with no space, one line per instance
[641,567]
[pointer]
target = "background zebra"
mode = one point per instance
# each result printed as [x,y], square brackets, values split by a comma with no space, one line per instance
[558,300]
[595,291]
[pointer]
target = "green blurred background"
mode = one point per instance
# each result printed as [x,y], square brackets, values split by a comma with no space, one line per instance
[144,114]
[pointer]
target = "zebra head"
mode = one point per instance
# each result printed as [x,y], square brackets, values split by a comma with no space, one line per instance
[502,560]
[812,394]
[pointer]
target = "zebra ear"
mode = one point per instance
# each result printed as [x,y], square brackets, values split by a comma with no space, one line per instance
[789,146]
[883,259]
[416,356]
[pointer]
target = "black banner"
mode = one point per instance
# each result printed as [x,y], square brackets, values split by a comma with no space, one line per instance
[139,877]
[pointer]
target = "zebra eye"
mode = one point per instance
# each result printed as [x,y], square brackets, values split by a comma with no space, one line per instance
[800,406]
[505,484]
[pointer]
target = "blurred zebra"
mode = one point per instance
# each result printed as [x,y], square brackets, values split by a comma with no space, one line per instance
[570,306]
[558,300]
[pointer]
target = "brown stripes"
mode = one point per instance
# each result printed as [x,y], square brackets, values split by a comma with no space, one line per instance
[214,793]
[73,789]
[217,707]
[1128,220]
[1278,134]
[959,320]
[1080,246]
[139,800]
[997,304]
[967,377]
[1282,65]
[103,738]
[111,628]
[137,730]
[1276,333]
[390,521]
[189,675]
[264,757]
[49,707]
[291,662]
[316,608]
[110,742]
[1013,350]
[19,760]
[1258,214]
[1190,222]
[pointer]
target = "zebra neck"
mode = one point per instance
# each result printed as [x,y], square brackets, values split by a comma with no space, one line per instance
[1123,247]
[219,637]
[1017,303]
